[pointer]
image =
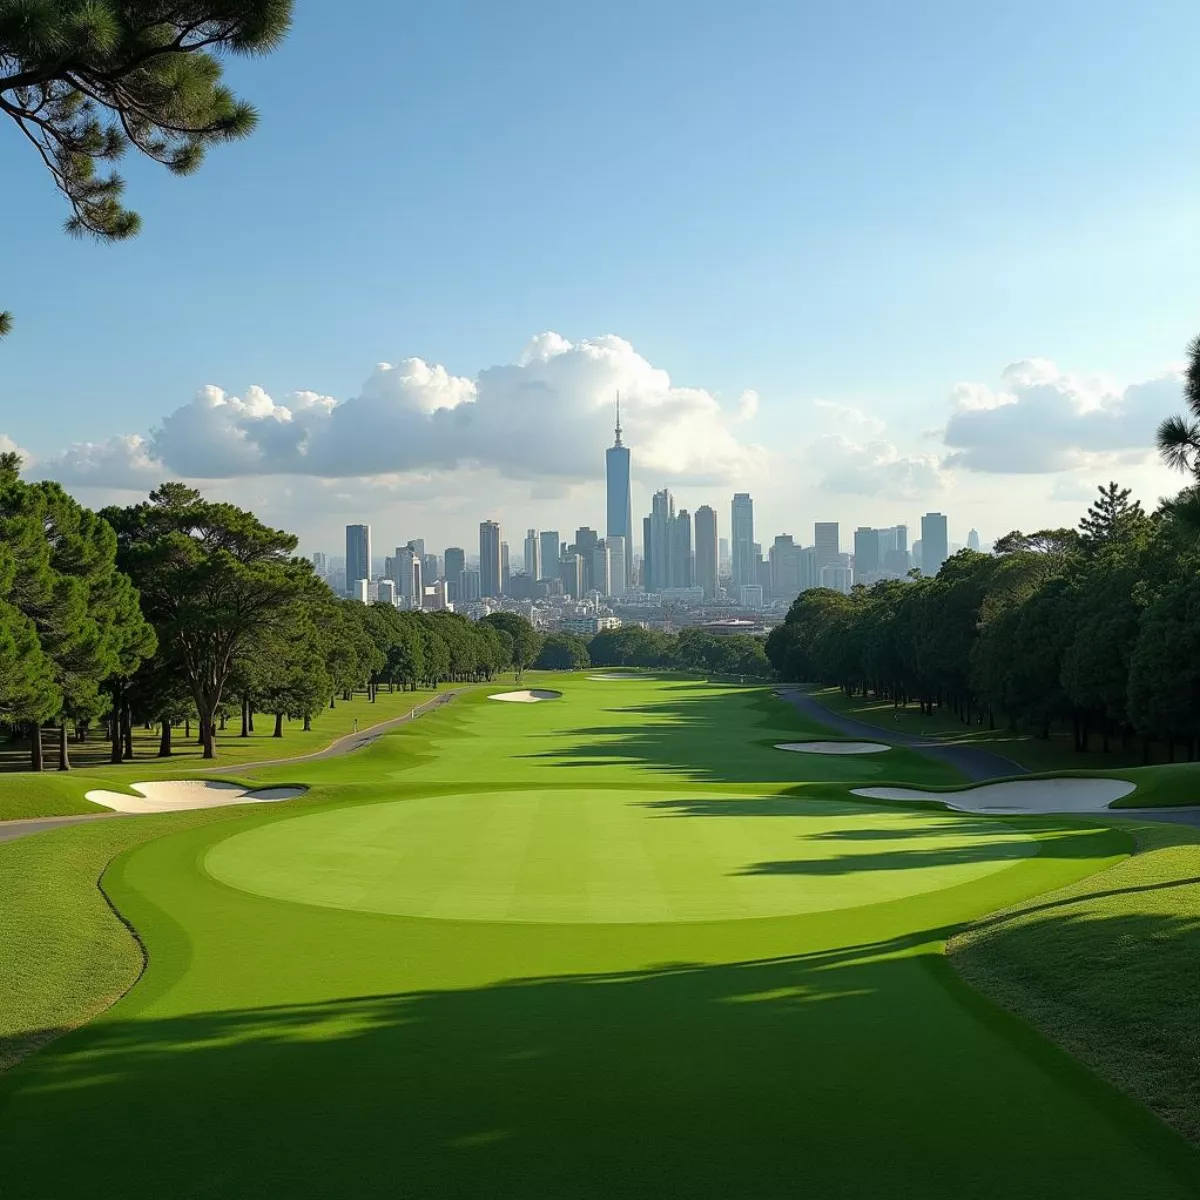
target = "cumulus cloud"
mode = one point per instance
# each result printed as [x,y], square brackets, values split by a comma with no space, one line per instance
[856,459]
[1042,419]
[540,418]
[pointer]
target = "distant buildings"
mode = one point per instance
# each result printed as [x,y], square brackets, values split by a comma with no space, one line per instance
[707,551]
[468,585]
[455,560]
[386,591]
[533,555]
[358,556]
[620,504]
[935,543]
[742,533]
[570,571]
[827,541]
[586,541]
[320,564]
[784,559]
[550,550]
[489,559]
[618,565]
[973,540]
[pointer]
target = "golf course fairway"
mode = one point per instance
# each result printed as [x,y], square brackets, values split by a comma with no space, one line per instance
[614,945]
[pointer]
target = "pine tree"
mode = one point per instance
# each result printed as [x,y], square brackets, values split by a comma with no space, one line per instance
[84,80]
[1111,517]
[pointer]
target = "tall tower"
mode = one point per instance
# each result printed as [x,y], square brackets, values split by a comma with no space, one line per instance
[489,558]
[358,555]
[620,504]
[706,550]
[934,547]
[742,530]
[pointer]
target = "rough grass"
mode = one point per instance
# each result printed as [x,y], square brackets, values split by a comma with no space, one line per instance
[64,953]
[1109,968]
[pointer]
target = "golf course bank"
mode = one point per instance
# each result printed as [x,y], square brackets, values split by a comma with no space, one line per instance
[614,945]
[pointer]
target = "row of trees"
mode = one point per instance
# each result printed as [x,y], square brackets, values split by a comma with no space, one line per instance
[1096,627]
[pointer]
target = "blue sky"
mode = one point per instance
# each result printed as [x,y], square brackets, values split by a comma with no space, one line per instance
[860,205]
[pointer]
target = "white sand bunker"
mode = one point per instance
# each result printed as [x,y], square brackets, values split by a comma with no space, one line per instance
[1018,796]
[174,795]
[833,747]
[526,697]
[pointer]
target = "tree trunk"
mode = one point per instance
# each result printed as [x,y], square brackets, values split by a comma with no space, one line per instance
[222,724]
[114,729]
[332,703]
[127,731]
[278,725]
[245,717]
[206,736]
[187,728]
[36,762]
[64,758]
[164,742]
[250,710]
[307,723]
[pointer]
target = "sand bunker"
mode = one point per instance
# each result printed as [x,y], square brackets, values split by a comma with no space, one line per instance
[1018,796]
[174,795]
[526,697]
[833,747]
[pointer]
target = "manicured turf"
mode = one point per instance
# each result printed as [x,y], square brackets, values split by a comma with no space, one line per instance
[284,1048]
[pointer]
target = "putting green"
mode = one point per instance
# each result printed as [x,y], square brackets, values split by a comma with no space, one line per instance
[610,856]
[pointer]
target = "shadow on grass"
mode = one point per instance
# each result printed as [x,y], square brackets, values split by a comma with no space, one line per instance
[858,1067]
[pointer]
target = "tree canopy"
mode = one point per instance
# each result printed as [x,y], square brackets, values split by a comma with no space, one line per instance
[85,80]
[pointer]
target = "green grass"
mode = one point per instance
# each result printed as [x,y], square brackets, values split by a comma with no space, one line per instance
[53,793]
[281,1047]
[1056,753]
[1107,967]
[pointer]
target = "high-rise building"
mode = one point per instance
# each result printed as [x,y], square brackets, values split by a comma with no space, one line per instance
[657,531]
[741,529]
[838,575]
[455,560]
[570,571]
[320,564]
[683,572]
[810,577]
[549,553]
[406,570]
[973,540]
[358,556]
[724,565]
[620,504]
[386,592]
[826,540]
[707,551]
[505,569]
[468,585]
[430,568]
[585,547]
[533,555]
[784,559]
[935,546]
[601,575]
[489,558]
[868,550]
[418,544]
[360,590]
[619,582]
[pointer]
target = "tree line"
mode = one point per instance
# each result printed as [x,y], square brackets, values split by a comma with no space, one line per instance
[1096,628]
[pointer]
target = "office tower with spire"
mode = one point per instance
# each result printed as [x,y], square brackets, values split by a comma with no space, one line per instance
[620,502]
[489,558]
[742,530]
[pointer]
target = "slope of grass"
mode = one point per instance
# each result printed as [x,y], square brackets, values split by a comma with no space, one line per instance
[280,1048]
[55,793]
[1107,967]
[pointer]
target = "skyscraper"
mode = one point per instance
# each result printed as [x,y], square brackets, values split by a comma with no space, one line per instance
[868,550]
[358,556]
[505,570]
[570,571]
[549,553]
[973,540]
[533,556]
[489,558]
[784,558]
[826,539]
[455,560]
[618,581]
[707,561]
[620,504]
[935,545]
[742,531]
[601,576]
[682,571]
[656,532]
[408,575]
[585,547]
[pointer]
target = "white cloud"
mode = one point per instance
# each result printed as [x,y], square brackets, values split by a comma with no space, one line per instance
[1042,419]
[540,418]
[854,458]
